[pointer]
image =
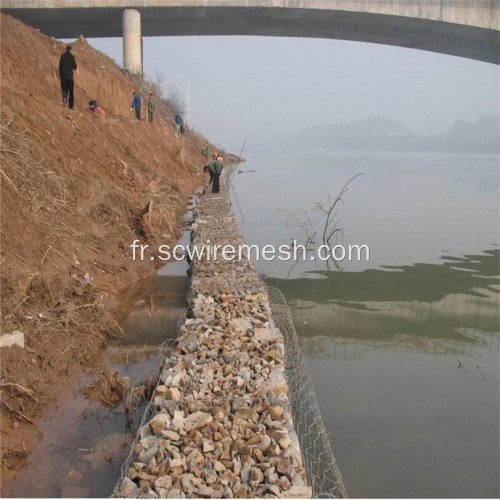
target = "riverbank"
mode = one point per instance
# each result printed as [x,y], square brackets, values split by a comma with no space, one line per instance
[77,189]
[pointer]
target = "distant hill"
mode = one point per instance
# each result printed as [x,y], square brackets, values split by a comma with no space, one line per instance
[482,136]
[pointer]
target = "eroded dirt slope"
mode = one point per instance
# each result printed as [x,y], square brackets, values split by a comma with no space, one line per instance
[73,188]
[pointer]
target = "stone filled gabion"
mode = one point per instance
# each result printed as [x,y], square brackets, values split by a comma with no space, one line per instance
[223,426]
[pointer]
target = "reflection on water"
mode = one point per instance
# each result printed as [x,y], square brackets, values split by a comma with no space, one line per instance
[401,405]
[402,305]
[403,350]
[155,316]
[422,383]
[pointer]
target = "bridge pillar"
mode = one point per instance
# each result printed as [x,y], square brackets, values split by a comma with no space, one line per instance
[132,41]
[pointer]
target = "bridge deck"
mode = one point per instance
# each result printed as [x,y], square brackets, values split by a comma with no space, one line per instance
[467,32]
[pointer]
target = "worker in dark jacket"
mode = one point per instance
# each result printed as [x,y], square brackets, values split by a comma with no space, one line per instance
[136,103]
[67,65]
[216,166]
[210,169]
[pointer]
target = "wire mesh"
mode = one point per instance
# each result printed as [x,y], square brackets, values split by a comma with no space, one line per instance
[150,411]
[319,462]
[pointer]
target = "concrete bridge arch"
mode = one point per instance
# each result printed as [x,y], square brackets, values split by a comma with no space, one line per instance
[465,28]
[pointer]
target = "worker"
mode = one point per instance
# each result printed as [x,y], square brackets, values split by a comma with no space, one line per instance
[210,170]
[178,122]
[136,103]
[217,167]
[151,105]
[67,66]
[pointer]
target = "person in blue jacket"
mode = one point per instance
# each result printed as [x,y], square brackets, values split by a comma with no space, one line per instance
[136,103]
[178,122]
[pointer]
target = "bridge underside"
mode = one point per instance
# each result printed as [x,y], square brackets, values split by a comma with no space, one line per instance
[435,36]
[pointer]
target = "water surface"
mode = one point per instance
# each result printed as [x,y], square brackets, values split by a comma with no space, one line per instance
[403,349]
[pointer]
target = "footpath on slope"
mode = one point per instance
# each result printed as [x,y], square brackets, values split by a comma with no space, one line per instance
[221,424]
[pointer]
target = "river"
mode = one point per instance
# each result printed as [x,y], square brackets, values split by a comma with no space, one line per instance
[403,349]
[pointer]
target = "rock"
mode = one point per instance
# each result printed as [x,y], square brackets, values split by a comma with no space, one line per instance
[283,467]
[256,476]
[175,381]
[147,455]
[187,486]
[188,345]
[245,473]
[174,493]
[176,462]
[237,466]
[240,490]
[275,412]
[273,489]
[284,483]
[163,482]
[14,338]
[285,442]
[265,442]
[229,477]
[178,421]
[147,442]
[197,420]
[194,459]
[211,477]
[159,423]
[277,385]
[219,466]
[298,492]
[297,480]
[173,394]
[268,335]
[270,476]
[131,473]
[128,488]
[161,390]
[204,491]
[208,445]
[172,435]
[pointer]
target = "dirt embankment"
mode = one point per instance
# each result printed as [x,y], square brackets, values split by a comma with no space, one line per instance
[74,186]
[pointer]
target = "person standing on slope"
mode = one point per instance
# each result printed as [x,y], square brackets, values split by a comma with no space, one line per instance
[136,103]
[178,122]
[67,65]
[151,108]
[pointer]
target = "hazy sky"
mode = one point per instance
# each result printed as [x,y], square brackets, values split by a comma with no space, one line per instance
[247,87]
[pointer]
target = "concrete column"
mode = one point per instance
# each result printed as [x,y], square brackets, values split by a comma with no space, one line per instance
[132,41]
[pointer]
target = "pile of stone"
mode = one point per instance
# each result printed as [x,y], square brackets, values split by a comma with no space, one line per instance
[223,426]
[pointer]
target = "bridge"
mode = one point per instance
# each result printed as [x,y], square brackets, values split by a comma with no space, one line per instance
[465,28]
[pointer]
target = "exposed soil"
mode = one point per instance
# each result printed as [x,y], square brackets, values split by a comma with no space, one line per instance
[75,187]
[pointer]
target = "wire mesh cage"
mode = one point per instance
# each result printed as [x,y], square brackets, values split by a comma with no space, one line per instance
[323,474]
